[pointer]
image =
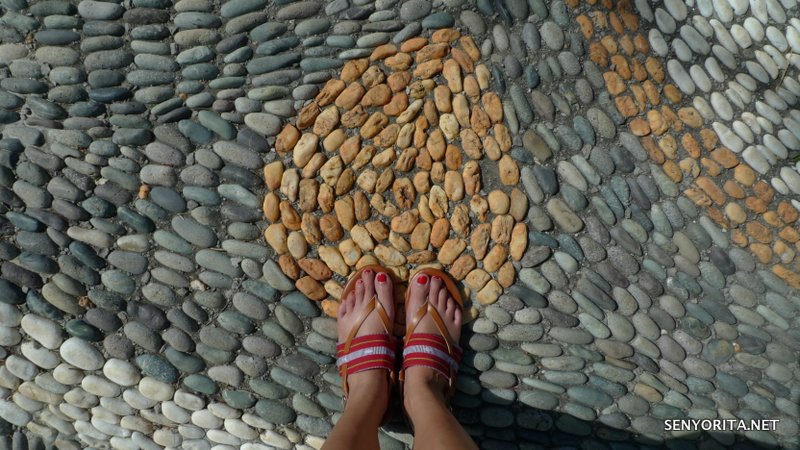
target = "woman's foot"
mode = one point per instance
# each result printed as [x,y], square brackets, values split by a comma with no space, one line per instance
[370,384]
[422,382]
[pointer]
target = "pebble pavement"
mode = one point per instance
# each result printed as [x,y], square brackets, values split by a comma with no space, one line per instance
[145,303]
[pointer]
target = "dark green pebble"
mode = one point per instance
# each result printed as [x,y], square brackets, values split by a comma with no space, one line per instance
[79,328]
[438,20]
[157,367]
[200,383]
[184,362]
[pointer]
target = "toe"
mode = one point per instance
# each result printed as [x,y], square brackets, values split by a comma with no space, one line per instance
[385,291]
[441,300]
[450,310]
[417,292]
[433,293]
[368,277]
[359,299]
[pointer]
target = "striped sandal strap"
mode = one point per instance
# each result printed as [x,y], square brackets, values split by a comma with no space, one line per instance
[433,351]
[368,352]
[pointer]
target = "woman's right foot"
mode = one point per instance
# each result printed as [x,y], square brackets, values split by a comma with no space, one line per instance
[423,380]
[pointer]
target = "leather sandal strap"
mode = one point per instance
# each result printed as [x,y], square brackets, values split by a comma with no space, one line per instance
[367,352]
[372,305]
[433,351]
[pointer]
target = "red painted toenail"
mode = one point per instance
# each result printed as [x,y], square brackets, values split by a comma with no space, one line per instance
[381,277]
[422,279]
[436,278]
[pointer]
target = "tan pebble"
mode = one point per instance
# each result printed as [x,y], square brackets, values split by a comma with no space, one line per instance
[451,249]
[355,117]
[477,279]
[472,88]
[479,207]
[501,228]
[452,73]
[421,257]
[353,69]
[438,201]
[491,148]
[330,308]
[309,190]
[331,227]
[362,238]
[422,182]
[452,157]
[471,177]
[361,206]
[502,136]
[334,289]
[490,293]
[290,183]
[447,35]
[470,314]
[483,76]
[384,159]
[345,182]
[454,185]
[334,140]
[287,139]
[327,121]
[421,137]
[498,202]
[277,237]
[373,76]
[376,122]
[495,258]
[344,212]
[430,112]
[411,112]
[364,156]
[270,207]
[377,96]
[325,198]
[273,174]
[461,110]
[367,260]
[519,241]
[315,268]
[506,275]
[382,206]
[479,121]
[289,266]
[449,126]
[471,143]
[331,170]
[519,205]
[313,166]
[398,81]
[509,171]
[470,48]
[462,266]
[431,52]
[366,180]
[493,106]
[389,255]
[440,232]
[437,172]
[405,162]
[307,115]
[311,288]
[413,44]
[399,242]
[463,60]
[329,93]
[397,104]
[399,62]
[404,193]
[305,149]
[350,251]
[436,144]
[441,97]
[405,222]
[333,259]
[479,240]
[428,69]
[385,180]
[421,236]
[350,96]
[405,136]
[310,228]
[378,230]
[289,217]
[567,220]
[350,148]
[460,221]
[425,213]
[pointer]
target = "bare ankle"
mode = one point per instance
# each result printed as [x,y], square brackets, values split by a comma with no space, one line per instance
[423,388]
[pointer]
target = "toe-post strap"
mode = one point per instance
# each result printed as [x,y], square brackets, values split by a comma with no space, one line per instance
[367,352]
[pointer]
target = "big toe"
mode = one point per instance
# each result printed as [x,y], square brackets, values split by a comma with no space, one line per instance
[418,290]
[385,291]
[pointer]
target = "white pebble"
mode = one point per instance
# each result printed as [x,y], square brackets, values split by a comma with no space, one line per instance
[10,315]
[240,429]
[714,70]
[755,28]
[754,159]
[746,81]
[677,8]
[752,122]
[571,175]
[66,374]
[116,405]
[723,36]
[789,139]
[776,11]
[700,78]
[42,330]
[189,431]
[39,355]
[759,10]
[779,185]
[725,56]
[743,131]
[21,367]
[739,6]
[777,38]
[741,36]
[705,7]
[682,51]
[775,146]
[81,354]
[136,423]
[681,78]
[768,112]
[657,42]
[257,421]
[702,106]
[768,155]
[702,26]
[189,401]
[167,438]
[100,386]
[223,437]
[768,64]
[205,419]
[774,100]
[135,398]
[792,179]
[723,11]
[274,439]
[121,372]
[721,106]
[765,124]
[155,390]
[174,412]
[744,94]
[727,137]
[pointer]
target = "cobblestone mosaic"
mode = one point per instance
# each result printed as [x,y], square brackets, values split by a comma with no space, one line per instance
[184,187]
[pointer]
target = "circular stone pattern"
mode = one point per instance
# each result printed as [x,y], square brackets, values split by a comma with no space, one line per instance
[389,165]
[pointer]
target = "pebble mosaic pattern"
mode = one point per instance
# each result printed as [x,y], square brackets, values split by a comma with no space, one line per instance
[144,143]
